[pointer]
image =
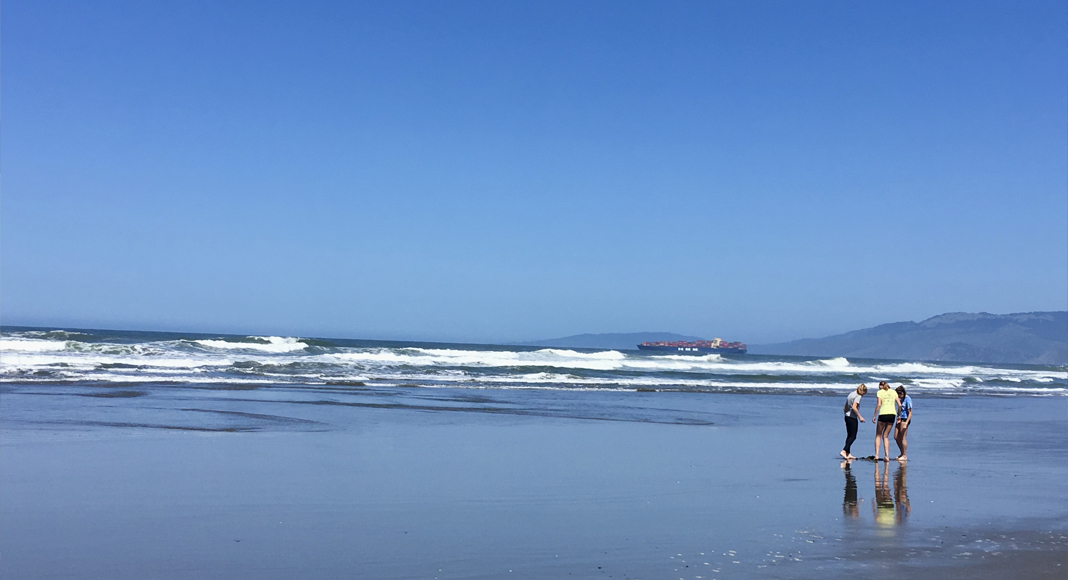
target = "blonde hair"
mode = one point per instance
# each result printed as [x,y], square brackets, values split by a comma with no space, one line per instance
[862,388]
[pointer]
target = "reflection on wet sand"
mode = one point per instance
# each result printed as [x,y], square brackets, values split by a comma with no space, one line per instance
[901,493]
[891,505]
[849,503]
[883,506]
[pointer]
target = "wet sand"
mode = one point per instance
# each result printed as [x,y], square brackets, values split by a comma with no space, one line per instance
[443,483]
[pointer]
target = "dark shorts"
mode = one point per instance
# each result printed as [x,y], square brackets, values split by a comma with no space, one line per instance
[887,418]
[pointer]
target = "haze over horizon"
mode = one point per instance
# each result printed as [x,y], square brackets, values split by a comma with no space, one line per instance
[485,172]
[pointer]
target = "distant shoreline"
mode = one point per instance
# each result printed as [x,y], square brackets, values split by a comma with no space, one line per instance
[1039,338]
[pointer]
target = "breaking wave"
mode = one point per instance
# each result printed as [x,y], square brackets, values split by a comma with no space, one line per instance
[274,344]
[176,359]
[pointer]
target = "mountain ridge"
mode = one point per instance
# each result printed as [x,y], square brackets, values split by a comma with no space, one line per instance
[1017,338]
[980,337]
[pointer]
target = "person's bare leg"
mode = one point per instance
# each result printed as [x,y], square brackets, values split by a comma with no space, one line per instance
[897,437]
[886,438]
[879,438]
[902,442]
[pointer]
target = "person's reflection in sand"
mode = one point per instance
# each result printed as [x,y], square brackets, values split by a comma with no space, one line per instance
[901,494]
[883,507]
[849,503]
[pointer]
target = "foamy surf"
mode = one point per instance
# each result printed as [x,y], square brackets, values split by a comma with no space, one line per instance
[16,345]
[176,359]
[274,344]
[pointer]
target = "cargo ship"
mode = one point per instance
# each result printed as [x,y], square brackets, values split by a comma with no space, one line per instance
[714,346]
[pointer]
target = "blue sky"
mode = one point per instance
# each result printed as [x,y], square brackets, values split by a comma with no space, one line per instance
[500,171]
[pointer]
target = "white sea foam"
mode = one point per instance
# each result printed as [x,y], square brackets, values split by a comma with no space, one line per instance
[606,360]
[272,344]
[279,360]
[192,378]
[565,381]
[91,359]
[570,383]
[835,363]
[560,358]
[20,345]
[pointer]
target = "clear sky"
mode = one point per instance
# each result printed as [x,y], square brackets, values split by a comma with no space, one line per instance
[500,171]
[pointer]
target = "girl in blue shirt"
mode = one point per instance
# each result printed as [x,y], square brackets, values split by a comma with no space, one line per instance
[904,419]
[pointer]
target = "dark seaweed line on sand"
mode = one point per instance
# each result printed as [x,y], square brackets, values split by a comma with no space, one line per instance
[261,416]
[123,424]
[268,419]
[489,410]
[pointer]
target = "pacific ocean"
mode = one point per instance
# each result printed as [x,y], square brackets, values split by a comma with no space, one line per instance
[131,455]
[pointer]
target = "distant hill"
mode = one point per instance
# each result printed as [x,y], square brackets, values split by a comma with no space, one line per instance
[1025,338]
[615,341]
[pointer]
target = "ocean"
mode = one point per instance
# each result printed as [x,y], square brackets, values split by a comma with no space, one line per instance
[174,455]
[101,358]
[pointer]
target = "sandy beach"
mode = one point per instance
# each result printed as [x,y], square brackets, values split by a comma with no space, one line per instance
[444,483]
[482,290]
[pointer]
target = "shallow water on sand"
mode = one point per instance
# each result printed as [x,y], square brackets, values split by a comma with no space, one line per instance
[410,482]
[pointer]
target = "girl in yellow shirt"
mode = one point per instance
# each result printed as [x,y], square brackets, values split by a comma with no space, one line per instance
[887,409]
